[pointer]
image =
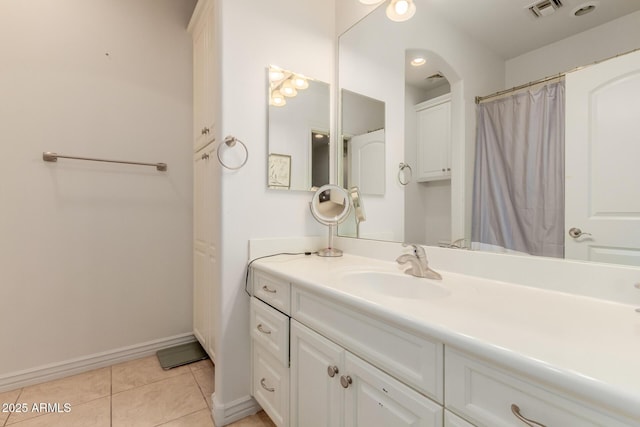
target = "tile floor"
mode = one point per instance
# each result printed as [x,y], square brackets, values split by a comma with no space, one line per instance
[138,393]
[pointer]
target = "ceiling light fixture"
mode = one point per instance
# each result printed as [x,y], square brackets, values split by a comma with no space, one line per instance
[401,10]
[418,61]
[584,9]
[397,10]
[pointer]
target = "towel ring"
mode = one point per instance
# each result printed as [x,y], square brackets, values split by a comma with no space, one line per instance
[401,172]
[230,141]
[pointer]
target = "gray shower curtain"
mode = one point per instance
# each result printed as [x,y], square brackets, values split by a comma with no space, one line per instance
[518,197]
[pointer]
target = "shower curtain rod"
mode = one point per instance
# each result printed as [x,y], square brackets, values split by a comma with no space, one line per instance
[480,99]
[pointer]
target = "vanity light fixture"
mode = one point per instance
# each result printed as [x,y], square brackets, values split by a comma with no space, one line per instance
[284,84]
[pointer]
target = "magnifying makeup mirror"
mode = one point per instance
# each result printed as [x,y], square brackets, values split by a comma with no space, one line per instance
[330,206]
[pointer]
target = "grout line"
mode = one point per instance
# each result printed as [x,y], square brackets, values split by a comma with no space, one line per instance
[111,396]
[6,422]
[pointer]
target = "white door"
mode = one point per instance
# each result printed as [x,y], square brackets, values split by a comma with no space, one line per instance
[366,162]
[603,162]
[316,399]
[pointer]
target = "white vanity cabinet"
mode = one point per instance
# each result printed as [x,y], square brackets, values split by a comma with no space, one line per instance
[332,387]
[488,395]
[434,139]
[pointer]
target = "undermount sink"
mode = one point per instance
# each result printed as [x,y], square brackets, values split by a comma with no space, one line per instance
[397,285]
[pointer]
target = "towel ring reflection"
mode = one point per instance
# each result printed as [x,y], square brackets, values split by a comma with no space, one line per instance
[402,173]
[230,141]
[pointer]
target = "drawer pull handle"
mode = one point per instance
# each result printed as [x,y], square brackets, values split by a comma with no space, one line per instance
[264,386]
[332,371]
[346,381]
[267,289]
[516,411]
[262,329]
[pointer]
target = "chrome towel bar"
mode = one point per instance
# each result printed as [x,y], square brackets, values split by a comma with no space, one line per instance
[48,156]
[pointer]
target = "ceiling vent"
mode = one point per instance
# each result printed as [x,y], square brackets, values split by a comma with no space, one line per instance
[545,7]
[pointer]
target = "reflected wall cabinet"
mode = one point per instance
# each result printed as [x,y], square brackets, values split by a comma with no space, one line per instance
[434,139]
[206,177]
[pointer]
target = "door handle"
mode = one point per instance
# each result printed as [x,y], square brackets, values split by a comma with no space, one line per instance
[576,232]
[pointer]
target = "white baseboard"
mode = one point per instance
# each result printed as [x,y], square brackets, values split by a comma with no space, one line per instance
[233,411]
[54,371]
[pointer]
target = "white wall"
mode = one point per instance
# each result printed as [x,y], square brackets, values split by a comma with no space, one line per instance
[254,35]
[93,257]
[618,36]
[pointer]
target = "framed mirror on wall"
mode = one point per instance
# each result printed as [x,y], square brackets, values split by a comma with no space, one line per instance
[298,131]
[468,50]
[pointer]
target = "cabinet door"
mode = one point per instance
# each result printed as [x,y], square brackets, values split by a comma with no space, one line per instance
[316,397]
[374,399]
[434,142]
[204,77]
[451,420]
[205,236]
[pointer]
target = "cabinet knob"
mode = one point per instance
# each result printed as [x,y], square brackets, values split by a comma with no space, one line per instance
[205,156]
[346,381]
[204,131]
[516,411]
[267,289]
[443,170]
[332,371]
[448,169]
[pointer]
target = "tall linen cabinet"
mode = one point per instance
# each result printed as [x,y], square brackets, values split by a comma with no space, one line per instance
[206,176]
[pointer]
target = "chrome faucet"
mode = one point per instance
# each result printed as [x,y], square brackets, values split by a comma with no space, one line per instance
[419,264]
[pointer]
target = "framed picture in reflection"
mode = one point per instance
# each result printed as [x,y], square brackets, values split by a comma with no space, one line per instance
[279,171]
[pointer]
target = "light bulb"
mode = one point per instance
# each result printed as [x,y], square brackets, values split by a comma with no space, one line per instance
[401,10]
[287,89]
[418,61]
[401,7]
[299,82]
[277,100]
[275,74]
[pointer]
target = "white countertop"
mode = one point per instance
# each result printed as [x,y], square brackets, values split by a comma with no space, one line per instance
[586,346]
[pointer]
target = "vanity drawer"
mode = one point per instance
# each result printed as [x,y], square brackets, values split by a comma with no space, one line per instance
[272,290]
[414,360]
[270,328]
[270,385]
[484,394]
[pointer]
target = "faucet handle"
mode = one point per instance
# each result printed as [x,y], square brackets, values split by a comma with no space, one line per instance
[417,250]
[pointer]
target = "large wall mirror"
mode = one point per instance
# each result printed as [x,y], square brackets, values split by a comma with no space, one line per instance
[433,67]
[298,122]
